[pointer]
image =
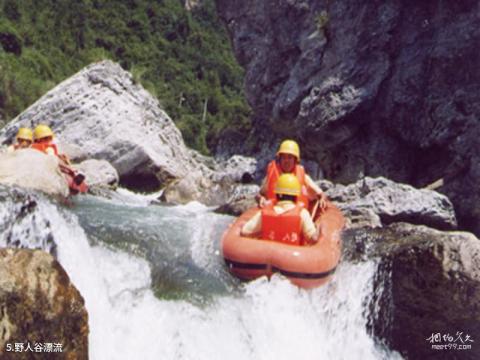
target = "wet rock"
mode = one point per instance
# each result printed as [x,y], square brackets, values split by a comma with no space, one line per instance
[213,186]
[379,96]
[196,186]
[23,221]
[428,283]
[74,152]
[241,199]
[34,170]
[99,175]
[40,306]
[374,199]
[361,218]
[240,169]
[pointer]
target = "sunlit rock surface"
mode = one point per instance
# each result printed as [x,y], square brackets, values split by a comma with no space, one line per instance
[33,170]
[40,306]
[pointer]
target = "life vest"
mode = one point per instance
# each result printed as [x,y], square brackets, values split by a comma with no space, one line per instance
[285,227]
[274,171]
[44,146]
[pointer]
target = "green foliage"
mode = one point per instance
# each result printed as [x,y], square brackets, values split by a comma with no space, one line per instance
[184,58]
[10,41]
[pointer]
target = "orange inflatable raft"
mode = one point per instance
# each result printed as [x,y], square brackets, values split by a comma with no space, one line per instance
[305,266]
[75,188]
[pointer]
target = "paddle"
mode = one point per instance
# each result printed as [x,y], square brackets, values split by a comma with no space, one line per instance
[314,213]
[315,208]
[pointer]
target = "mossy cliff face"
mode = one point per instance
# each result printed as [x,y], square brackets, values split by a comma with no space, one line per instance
[368,88]
[39,305]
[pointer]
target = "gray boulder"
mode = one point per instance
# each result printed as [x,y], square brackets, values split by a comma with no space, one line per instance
[99,175]
[238,168]
[214,186]
[362,217]
[374,199]
[102,112]
[197,187]
[34,170]
[241,199]
[428,283]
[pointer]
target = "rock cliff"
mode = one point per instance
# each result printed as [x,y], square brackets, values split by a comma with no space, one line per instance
[368,88]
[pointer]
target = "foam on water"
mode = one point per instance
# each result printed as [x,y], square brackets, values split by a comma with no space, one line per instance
[267,320]
[260,320]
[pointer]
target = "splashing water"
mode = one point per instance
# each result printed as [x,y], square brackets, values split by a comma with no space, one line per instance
[117,253]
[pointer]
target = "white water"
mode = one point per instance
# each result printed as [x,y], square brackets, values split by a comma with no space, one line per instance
[258,320]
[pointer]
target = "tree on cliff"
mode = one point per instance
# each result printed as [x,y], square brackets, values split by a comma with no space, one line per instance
[182,57]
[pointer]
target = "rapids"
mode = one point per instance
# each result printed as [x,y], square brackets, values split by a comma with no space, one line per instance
[155,286]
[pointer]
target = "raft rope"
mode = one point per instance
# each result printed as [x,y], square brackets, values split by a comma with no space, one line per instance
[292,274]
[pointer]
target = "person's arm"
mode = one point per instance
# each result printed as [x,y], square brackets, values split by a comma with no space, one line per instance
[308,227]
[50,151]
[312,186]
[260,198]
[252,226]
[263,187]
[315,190]
[65,159]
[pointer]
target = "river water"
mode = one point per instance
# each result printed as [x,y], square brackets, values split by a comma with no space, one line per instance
[155,286]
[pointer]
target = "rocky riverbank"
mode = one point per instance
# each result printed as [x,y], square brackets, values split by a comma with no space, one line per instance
[119,134]
[428,280]
[41,311]
[368,88]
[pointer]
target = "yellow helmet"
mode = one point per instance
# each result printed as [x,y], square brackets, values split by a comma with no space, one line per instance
[24,134]
[288,184]
[289,147]
[42,131]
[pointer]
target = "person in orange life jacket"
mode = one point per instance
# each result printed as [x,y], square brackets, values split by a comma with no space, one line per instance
[24,140]
[287,161]
[287,221]
[43,136]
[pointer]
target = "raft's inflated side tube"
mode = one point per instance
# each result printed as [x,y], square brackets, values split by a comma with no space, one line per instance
[74,188]
[305,266]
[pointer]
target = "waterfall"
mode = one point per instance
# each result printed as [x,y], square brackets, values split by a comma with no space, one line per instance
[155,286]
